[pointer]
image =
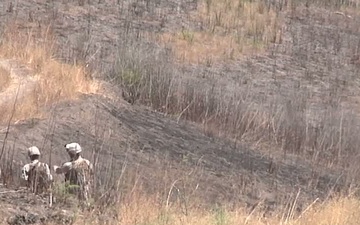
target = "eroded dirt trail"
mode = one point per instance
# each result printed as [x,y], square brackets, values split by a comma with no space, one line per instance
[22,83]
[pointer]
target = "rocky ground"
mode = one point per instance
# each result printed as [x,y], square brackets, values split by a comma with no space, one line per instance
[20,207]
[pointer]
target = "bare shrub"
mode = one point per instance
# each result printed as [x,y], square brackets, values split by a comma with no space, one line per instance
[144,72]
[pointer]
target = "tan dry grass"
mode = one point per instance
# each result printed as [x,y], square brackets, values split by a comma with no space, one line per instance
[56,80]
[233,29]
[342,211]
[4,78]
[247,18]
[143,210]
[206,48]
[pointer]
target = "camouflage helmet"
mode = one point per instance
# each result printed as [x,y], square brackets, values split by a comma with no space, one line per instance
[73,148]
[33,150]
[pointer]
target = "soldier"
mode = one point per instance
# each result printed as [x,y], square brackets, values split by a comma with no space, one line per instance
[78,172]
[36,174]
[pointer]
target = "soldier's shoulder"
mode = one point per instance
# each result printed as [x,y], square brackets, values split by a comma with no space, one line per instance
[67,164]
[86,161]
[42,165]
[26,166]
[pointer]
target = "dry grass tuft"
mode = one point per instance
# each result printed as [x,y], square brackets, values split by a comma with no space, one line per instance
[339,211]
[139,209]
[147,210]
[4,78]
[251,19]
[233,28]
[48,80]
[207,48]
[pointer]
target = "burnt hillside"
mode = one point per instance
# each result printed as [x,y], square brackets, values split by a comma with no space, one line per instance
[222,111]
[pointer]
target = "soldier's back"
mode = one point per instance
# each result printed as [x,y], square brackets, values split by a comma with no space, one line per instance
[80,176]
[39,180]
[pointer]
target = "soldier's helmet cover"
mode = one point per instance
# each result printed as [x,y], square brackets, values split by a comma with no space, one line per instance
[33,151]
[73,148]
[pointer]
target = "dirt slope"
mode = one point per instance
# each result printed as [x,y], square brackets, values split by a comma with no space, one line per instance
[152,142]
[22,83]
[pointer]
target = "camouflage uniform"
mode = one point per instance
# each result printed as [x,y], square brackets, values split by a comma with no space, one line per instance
[78,172]
[36,174]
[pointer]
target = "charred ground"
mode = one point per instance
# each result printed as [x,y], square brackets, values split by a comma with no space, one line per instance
[162,150]
[290,97]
